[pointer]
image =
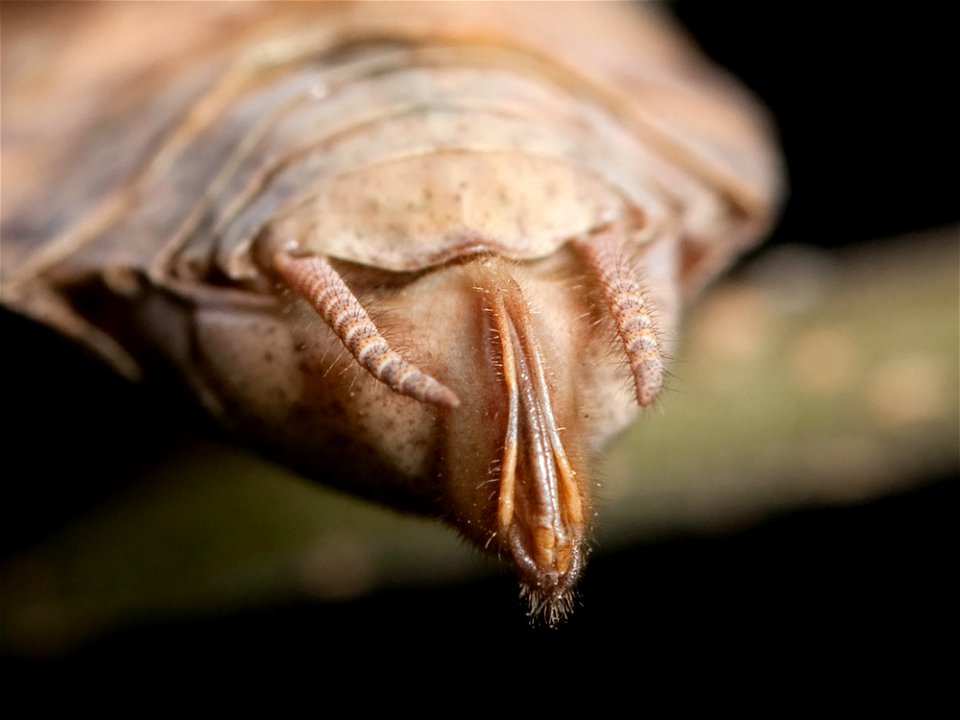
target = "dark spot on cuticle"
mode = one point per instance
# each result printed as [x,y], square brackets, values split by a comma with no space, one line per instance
[388,423]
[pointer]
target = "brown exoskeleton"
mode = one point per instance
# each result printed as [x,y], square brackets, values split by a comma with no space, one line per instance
[425,249]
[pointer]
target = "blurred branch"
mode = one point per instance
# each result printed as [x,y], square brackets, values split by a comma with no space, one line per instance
[809,378]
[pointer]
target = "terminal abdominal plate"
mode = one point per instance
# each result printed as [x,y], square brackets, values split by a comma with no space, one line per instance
[536,355]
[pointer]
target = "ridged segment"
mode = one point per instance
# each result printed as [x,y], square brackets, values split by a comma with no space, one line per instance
[631,311]
[318,283]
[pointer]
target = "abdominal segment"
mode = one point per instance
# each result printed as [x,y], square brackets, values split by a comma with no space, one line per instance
[540,382]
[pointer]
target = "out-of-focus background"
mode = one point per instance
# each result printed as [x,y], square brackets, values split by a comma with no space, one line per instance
[795,487]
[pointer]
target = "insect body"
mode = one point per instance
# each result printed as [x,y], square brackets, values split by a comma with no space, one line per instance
[420,251]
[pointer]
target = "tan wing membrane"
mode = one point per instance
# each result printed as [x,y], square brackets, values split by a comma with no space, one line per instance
[314,279]
[632,312]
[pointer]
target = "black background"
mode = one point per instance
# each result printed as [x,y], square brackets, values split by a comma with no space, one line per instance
[860,96]
[864,100]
